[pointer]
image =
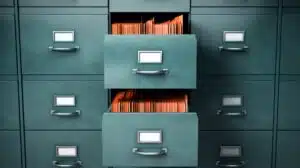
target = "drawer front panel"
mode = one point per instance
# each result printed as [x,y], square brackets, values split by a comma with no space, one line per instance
[291,3]
[74,148]
[149,6]
[7,3]
[41,55]
[256,148]
[65,3]
[235,3]
[235,103]
[217,56]
[10,148]
[178,142]
[64,104]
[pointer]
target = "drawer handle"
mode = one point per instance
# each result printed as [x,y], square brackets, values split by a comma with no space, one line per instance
[67,49]
[60,165]
[222,48]
[231,165]
[60,114]
[157,72]
[163,151]
[242,113]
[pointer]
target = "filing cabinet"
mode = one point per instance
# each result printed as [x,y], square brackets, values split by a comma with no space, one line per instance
[245,149]
[8,42]
[50,149]
[7,3]
[9,111]
[243,3]
[150,139]
[291,3]
[169,62]
[67,3]
[10,155]
[149,6]
[234,41]
[290,36]
[64,105]
[58,41]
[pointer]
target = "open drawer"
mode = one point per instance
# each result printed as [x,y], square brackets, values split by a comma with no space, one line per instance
[150,61]
[150,139]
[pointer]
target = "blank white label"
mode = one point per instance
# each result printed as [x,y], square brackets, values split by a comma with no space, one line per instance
[67,151]
[234,36]
[230,151]
[232,101]
[65,101]
[63,36]
[150,57]
[150,137]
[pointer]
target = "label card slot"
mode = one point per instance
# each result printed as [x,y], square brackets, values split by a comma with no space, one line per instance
[63,36]
[150,57]
[233,36]
[66,151]
[232,100]
[65,101]
[149,136]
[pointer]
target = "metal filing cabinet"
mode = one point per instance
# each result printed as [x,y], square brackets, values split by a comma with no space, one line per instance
[66,3]
[291,3]
[10,147]
[244,3]
[7,3]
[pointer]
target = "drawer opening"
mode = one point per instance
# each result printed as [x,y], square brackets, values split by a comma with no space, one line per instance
[149,23]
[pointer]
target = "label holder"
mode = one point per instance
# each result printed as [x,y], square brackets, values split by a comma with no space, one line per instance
[66,151]
[63,36]
[64,100]
[232,101]
[234,36]
[150,57]
[230,151]
[143,137]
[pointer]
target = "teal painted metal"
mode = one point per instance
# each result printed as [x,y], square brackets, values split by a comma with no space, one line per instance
[179,136]
[291,3]
[244,3]
[67,3]
[10,149]
[179,57]
[6,3]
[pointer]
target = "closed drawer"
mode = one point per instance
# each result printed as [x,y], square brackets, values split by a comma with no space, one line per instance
[288,149]
[64,104]
[50,149]
[7,43]
[47,45]
[169,62]
[149,6]
[150,140]
[232,41]
[221,148]
[289,94]
[291,3]
[235,3]
[235,103]
[290,37]
[9,106]
[10,156]
[7,3]
[66,3]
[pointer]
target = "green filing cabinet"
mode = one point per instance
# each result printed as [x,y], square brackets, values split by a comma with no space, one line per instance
[66,105]
[246,149]
[243,3]
[58,41]
[10,156]
[9,111]
[290,38]
[8,43]
[234,41]
[149,6]
[66,3]
[235,103]
[7,3]
[150,139]
[291,3]
[150,61]
[57,149]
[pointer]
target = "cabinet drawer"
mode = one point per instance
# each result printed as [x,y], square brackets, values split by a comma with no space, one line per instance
[50,149]
[9,113]
[235,3]
[290,37]
[255,148]
[65,3]
[289,94]
[150,139]
[169,62]
[64,104]
[231,41]
[10,149]
[7,42]
[291,3]
[7,3]
[149,6]
[235,103]
[41,55]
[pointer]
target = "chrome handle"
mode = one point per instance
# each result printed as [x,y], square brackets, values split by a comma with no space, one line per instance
[61,165]
[61,114]
[157,72]
[242,113]
[221,48]
[231,165]
[162,151]
[62,49]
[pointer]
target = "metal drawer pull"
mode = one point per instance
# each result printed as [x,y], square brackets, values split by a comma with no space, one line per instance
[60,165]
[231,165]
[242,113]
[67,49]
[163,151]
[157,72]
[221,48]
[70,114]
